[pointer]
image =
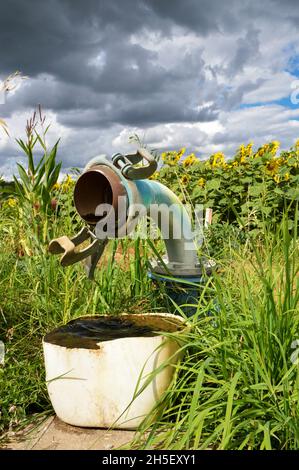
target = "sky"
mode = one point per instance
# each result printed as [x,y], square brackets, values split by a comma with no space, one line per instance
[207,75]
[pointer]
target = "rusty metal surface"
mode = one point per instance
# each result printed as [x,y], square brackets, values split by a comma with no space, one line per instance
[67,247]
[97,185]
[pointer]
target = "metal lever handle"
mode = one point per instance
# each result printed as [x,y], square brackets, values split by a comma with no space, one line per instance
[126,163]
[66,246]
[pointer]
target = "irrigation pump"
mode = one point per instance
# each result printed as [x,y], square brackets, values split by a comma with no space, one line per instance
[111,196]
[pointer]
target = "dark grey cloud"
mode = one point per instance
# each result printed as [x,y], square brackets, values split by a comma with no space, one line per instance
[204,16]
[247,49]
[85,46]
[89,61]
[65,38]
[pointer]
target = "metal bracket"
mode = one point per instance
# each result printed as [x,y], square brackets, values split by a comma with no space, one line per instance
[66,246]
[125,163]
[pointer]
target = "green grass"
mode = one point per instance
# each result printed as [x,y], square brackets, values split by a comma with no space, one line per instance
[236,387]
[37,294]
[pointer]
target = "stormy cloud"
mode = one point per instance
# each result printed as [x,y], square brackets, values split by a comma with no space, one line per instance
[204,74]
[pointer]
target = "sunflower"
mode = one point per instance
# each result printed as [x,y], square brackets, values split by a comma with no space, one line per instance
[171,158]
[56,186]
[67,183]
[154,176]
[181,152]
[11,202]
[272,148]
[272,166]
[217,159]
[277,179]
[244,152]
[185,179]
[190,160]
[262,150]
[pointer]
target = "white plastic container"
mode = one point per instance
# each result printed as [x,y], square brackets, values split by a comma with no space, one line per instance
[96,387]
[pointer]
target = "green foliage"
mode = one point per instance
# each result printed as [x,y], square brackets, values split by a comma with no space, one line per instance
[35,183]
[37,295]
[32,199]
[237,386]
[249,189]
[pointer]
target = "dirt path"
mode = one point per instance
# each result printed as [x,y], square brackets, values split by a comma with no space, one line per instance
[53,434]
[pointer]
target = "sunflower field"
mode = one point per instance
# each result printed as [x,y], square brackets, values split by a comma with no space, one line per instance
[249,189]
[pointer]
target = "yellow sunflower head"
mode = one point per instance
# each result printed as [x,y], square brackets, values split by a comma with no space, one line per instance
[217,159]
[277,179]
[190,160]
[67,183]
[56,186]
[274,146]
[11,202]
[272,166]
[181,152]
[154,176]
[244,152]
[185,179]
[201,182]
[171,158]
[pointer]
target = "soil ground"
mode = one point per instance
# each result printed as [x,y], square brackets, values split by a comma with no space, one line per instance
[53,434]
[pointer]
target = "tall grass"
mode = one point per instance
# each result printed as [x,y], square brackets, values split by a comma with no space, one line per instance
[37,294]
[237,387]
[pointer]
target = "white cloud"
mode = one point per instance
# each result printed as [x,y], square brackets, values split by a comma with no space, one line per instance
[258,124]
[245,64]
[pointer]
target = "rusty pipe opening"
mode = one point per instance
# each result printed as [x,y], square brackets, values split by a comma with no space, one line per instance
[97,185]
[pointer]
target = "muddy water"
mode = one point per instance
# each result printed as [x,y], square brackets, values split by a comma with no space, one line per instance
[88,331]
